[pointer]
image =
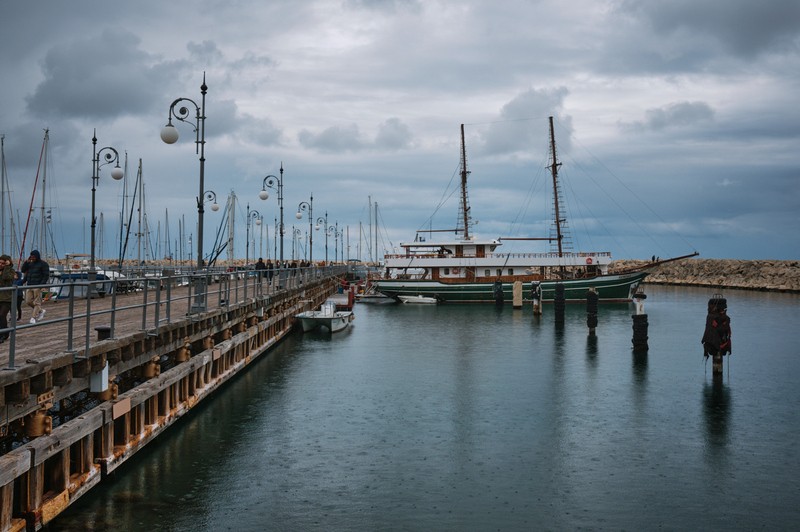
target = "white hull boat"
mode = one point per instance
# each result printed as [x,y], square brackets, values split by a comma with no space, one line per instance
[418,300]
[327,317]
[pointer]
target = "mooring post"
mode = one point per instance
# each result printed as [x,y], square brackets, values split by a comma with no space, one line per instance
[717,335]
[497,292]
[536,298]
[591,309]
[639,323]
[559,304]
[517,294]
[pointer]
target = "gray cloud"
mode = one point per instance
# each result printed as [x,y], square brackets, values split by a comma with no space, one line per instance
[679,114]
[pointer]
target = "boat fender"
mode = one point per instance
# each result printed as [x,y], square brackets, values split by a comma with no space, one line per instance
[588,260]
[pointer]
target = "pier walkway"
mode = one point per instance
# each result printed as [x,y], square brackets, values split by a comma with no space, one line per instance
[98,378]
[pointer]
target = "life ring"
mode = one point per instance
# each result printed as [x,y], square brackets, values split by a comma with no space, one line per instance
[456,271]
[588,260]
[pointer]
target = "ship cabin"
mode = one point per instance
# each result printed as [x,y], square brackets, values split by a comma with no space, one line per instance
[477,261]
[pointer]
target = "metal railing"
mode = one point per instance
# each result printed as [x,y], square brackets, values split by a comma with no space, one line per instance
[160,297]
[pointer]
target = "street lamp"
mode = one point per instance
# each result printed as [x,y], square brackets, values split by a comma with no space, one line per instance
[276,183]
[251,215]
[296,232]
[306,206]
[111,156]
[169,134]
[323,222]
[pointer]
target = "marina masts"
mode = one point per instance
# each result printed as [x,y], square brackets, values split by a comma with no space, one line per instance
[556,203]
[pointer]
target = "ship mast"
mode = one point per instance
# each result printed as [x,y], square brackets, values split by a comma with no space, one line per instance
[554,171]
[464,199]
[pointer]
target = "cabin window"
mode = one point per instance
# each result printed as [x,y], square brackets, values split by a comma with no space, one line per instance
[447,271]
[511,271]
[487,273]
[499,272]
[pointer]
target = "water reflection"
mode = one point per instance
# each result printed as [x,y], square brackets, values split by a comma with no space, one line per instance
[591,350]
[717,411]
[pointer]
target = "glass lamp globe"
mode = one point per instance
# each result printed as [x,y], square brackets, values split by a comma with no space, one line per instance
[169,134]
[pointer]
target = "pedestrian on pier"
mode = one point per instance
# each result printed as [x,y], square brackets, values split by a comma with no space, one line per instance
[37,272]
[6,282]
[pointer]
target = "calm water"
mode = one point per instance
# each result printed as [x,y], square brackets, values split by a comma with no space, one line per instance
[474,418]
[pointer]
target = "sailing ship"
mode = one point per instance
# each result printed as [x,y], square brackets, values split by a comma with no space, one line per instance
[466,269]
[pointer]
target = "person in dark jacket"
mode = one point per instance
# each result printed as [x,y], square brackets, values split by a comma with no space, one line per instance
[36,272]
[6,281]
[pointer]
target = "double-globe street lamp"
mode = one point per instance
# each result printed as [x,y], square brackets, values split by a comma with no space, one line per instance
[322,221]
[169,134]
[308,206]
[276,183]
[111,156]
[253,215]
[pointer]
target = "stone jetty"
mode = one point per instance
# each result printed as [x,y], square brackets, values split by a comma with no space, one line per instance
[770,275]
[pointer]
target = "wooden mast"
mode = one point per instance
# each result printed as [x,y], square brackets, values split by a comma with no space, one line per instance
[464,202]
[554,171]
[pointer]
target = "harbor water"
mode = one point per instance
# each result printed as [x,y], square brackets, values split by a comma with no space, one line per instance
[477,418]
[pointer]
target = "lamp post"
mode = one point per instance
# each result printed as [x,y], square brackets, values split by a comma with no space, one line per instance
[111,156]
[251,215]
[296,232]
[169,134]
[308,206]
[323,222]
[276,183]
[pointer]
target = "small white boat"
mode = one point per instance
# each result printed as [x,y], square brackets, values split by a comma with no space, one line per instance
[327,316]
[418,300]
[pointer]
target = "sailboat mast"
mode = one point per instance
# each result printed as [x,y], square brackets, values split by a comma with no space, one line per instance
[554,171]
[3,192]
[43,230]
[464,173]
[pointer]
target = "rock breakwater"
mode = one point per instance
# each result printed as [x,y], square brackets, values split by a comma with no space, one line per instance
[771,275]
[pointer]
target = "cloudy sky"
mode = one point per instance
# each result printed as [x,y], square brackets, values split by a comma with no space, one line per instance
[677,123]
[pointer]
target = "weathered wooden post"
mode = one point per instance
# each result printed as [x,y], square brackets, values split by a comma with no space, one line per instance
[591,309]
[497,292]
[717,335]
[639,323]
[559,303]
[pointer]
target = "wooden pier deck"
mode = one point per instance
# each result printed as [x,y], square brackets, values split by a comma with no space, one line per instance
[74,407]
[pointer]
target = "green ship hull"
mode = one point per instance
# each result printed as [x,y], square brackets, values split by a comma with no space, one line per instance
[610,288]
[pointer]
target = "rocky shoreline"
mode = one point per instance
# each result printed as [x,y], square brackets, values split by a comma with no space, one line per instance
[768,275]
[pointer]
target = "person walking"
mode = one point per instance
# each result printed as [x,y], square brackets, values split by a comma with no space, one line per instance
[37,272]
[6,282]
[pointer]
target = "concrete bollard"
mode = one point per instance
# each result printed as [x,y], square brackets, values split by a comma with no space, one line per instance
[517,294]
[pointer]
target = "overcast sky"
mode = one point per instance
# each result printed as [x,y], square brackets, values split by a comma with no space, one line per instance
[677,123]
